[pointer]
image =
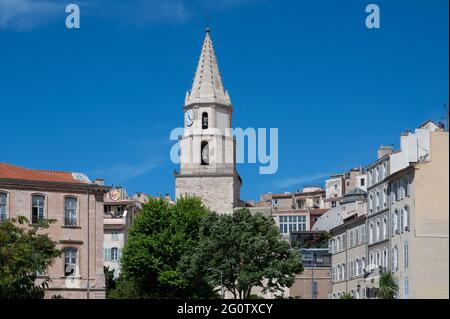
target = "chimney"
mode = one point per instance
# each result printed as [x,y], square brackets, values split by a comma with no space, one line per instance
[385,150]
[99,181]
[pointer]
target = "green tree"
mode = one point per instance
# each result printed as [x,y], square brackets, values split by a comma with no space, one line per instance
[388,286]
[161,235]
[347,296]
[242,251]
[110,281]
[23,253]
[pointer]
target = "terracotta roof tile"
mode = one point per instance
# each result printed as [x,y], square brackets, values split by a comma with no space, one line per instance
[8,171]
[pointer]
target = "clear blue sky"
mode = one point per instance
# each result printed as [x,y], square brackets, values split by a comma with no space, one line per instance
[103,99]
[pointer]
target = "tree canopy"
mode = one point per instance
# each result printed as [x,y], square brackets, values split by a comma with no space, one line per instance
[160,236]
[23,253]
[246,250]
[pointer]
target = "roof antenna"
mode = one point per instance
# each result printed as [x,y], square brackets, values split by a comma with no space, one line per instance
[207,29]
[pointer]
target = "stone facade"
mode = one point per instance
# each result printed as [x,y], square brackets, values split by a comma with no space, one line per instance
[82,233]
[120,210]
[216,192]
[208,149]
[420,226]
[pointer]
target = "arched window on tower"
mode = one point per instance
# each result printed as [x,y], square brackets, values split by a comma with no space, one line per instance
[205,120]
[205,153]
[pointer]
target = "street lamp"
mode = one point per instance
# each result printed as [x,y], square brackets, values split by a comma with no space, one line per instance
[220,272]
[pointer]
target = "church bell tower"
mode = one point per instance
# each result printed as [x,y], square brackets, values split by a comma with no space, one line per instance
[208,149]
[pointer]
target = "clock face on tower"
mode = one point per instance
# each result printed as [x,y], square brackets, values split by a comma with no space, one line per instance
[189,117]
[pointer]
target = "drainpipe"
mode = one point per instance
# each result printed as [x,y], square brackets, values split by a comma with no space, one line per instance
[347,270]
[88,248]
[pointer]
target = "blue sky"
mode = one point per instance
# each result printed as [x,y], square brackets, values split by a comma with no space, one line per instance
[103,99]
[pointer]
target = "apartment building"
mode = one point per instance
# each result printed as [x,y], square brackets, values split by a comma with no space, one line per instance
[340,184]
[76,204]
[419,208]
[348,248]
[294,211]
[120,210]
[378,218]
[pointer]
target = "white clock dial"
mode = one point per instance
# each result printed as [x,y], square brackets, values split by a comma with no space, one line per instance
[189,117]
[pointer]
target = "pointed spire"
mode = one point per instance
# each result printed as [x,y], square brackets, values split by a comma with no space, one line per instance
[208,86]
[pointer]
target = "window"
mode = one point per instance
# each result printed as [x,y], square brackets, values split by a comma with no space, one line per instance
[363,265]
[395,258]
[408,186]
[115,254]
[377,230]
[338,244]
[401,220]
[385,258]
[114,235]
[406,218]
[70,262]
[378,258]
[405,287]
[362,182]
[370,203]
[371,260]
[405,255]
[363,234]
[106,208]
[394,193]
[292,223]
[370,233]
[344,241]
[357,236]
[395,222]
[3,206]
[70,211]
[205,120]
[37,209]
[399,190]
[384,228]
[377,174]
[205,153]
[358,267]
[385,197]
[275,202]
[351,238]
[377,205]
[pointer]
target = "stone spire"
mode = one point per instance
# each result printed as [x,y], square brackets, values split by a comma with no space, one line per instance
[208,86]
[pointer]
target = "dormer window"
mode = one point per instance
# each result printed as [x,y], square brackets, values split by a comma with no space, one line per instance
[205,120]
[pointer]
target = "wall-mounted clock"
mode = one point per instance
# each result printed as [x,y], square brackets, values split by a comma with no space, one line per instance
[189,118]
[115,194]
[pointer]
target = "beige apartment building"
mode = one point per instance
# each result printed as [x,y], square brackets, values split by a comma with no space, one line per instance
[348,248]
[340,184]
[76,204]
[120,210]
[420,222]
[294,211]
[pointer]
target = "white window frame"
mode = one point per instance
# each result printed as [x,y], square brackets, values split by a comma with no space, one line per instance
[3,206]
[70,213]
[405,255]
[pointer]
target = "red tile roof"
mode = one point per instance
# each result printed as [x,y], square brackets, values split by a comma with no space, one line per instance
[8,171]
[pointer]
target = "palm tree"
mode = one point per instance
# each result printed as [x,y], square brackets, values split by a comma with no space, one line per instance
[388,286]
